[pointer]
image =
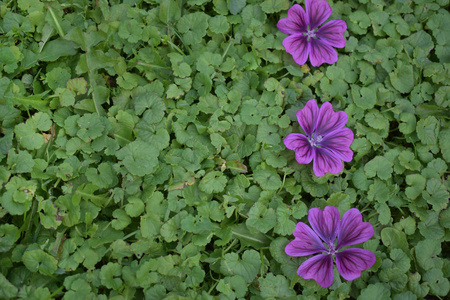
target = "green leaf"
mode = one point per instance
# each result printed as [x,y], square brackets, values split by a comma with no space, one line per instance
[103,176]
[436,194]
[416,184]
[426,252]
[396,279]
[408,161]
[9,58]
[425,110]
[394,238]
[408,124]
[408,225]
[403,78]
[57,48]
[277,247]
[193,27]
[109,275]
[77,85]
[9,234]
[284,225]
[257,241]
[272,6]
[91,126]
[38,260]
[7,290]
[150,225]
[235,6]
[213,182]
[121,219]
[48,214]
[365,97]
[428,130]
[169,11]
[233,286]
[22,162]
[430,228]
[374,292]
[260,218]
[267,179]
[379,166]
[135,207]
[444,144]
[219,24]
[27,136]
[273,287]
[35,101]
[236,166]
[247,267]
[57,78]
[376,120]
[400,260]
[384,213]
[439,285]
[148,101]
[419,289]
[312,187]
[138,157]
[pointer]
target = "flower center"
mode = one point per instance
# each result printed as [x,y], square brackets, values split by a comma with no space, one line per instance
[331,251]
[315,140]
[310,34]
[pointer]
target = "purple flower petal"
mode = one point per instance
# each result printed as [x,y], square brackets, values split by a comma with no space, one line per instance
[319,268]
[353,230]
[304,152]
[326,161]
[325,223]
[307,117]
[296,22]
[320,52]
[329,120]
[318,12]
[339,142]
[306,242]
[297,45]
[351,262]
[332,33]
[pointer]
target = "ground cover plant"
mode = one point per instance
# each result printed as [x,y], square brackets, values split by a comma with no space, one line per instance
[142,154]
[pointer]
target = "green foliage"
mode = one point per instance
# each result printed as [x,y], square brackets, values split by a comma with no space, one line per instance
[142,155]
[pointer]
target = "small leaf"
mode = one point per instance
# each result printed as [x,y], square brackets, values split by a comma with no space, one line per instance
[247,267]
[213,182]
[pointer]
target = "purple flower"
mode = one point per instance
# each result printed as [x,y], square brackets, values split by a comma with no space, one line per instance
[305,39]
[327,226]
[327,142]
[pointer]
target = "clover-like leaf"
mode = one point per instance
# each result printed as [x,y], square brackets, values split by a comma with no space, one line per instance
[138,157]
[38,260]
[379,166]
[213,182]
[247,266]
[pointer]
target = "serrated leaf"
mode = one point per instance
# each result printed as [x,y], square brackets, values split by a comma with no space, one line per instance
[213,182]
[7,289]
[379,166]
[261,218]
[138,157]
[247,266]
[267,179]
[38,260]
[403,78]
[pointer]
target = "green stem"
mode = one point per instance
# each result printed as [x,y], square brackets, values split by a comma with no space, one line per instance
[54,293]
[153,66]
